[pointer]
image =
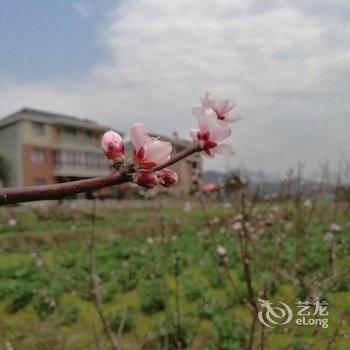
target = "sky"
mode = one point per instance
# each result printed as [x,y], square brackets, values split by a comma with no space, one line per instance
[286,64]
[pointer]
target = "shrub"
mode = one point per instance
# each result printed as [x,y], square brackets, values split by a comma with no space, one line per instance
[151,297]
[228,334]
[206,308]
[193,290]
[21,298]
[179,332]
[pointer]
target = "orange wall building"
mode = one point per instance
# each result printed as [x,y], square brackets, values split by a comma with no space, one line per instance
[45,148]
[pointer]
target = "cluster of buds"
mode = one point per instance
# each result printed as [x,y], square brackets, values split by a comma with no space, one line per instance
[165,177]
[150,152]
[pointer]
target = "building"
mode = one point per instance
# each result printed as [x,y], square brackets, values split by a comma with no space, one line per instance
[46,148]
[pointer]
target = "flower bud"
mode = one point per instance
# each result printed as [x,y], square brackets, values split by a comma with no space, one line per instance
[147,180]
[113,145]
[167,177]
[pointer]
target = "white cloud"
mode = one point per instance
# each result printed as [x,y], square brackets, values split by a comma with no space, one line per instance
[286,67]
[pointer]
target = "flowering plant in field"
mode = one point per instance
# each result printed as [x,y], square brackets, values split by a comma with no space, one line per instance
[149,152]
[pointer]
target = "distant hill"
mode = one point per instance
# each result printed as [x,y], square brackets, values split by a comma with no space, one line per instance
[252,175]
[213,176]
[268,183]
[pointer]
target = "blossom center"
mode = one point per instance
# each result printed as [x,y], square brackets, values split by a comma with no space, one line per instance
[205,139]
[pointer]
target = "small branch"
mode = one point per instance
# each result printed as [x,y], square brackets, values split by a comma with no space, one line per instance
[62,190]
[95,287]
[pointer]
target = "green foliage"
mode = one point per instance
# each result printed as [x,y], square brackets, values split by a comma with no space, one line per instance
[115,319]
[68,313]
[179,332]
[229,335]
[138,272]
[151,298]
[193,289]
[206,308]
[20,299]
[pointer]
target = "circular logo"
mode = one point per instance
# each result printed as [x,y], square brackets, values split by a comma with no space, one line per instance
[270,315]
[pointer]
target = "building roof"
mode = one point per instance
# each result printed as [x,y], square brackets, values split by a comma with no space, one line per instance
[51,118]
[32,114]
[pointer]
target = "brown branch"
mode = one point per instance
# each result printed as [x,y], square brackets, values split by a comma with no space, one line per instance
[62,190]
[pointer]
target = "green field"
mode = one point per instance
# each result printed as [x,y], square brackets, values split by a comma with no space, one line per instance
[155,279]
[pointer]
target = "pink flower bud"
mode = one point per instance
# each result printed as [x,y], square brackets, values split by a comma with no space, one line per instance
[112,145]
[167,177]
[147,180]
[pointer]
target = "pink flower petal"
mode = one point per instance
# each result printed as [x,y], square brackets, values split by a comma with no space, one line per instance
[108,137]
[112,145]
[206,101]
[194,134]
[224,106]
[197,111]
[220,133]
[157,151]
[207,122]
[138,135]
[224,149]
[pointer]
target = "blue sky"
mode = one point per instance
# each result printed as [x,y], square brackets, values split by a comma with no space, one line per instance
[285,63]
[41,38]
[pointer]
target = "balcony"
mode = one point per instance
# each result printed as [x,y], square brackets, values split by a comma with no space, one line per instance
[81,164]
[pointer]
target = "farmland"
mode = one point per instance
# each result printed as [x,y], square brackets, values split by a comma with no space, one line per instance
[181,274]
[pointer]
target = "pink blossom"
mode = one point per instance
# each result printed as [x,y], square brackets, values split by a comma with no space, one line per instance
[237,226]
[148,151]
[209,134]
[335,227]
[328,238]
[210,187]
[167,177]
[221,108]
[146,179]
[221,250]
[187,207]
[113,145]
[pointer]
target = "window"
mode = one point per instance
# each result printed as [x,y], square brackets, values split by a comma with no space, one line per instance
[37,156]
[80,160]
[38,128]
[69,134]
[87,136]
[39,181]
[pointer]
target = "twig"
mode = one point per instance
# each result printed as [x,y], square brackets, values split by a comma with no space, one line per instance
[99,342]
[165,290]
[95,288]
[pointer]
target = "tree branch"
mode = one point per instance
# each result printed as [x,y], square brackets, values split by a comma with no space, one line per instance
[62,190]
